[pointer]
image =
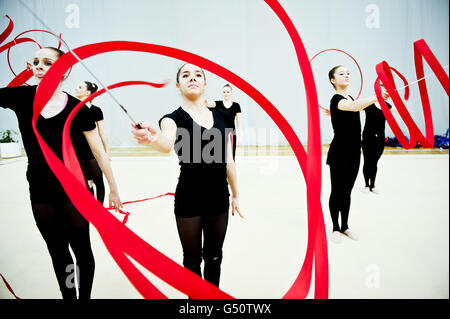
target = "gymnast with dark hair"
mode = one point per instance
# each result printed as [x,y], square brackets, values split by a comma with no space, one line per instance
[200,137]
[344,154]
[91,169]
[57,219]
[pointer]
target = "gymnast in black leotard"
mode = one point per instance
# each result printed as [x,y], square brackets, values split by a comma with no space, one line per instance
[373,139]
[345,149]
[59,222]
[201,139]
[234,111]
[92,171]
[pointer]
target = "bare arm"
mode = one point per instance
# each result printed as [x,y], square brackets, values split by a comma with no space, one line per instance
[239,125]
[232,181]
[103,136]
[163,141]
[360,104]
[210,103]
[96,146]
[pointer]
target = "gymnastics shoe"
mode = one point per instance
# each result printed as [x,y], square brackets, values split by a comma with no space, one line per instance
[335,237]
[375,190]
[366,190]
[350,234]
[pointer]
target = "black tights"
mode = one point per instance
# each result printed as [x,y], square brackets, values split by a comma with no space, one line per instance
[373,148]
[190,231]
[343,178]
[92,171]
[62,225]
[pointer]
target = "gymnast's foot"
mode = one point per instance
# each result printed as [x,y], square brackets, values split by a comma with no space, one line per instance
[366,190]
[335,237]
[350,234]
[375,190]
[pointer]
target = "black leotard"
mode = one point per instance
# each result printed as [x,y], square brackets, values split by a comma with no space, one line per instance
[344,159]
[232,111]
[42,181]
[202,188]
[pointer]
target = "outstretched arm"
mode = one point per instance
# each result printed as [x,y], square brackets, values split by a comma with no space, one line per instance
[96,146]
[163,141]
[360,104]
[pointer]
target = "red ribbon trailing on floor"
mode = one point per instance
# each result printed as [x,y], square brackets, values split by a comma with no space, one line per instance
[9,287]
[421,50]
[125,219]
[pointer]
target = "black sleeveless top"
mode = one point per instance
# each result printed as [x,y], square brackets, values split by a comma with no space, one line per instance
[44,185]
[346,143]
[202,188]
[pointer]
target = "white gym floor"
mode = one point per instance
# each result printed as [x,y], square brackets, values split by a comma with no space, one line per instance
[402,251]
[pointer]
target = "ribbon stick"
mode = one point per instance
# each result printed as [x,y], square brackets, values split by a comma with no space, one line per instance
[69,156]
[421,50]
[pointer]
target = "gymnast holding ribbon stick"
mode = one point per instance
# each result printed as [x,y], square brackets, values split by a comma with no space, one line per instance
[373,139]
[234,110]
[90,167]
[58,221]
[345,150]
[200,138]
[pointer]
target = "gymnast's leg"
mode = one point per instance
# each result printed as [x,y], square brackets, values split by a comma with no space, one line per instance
[50,222]
[214,231]
[335,196]
[190,233]
[79,240]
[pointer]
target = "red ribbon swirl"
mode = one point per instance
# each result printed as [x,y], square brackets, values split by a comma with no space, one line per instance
[421,50]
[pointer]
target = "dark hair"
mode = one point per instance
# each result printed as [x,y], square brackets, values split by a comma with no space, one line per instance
[91,87]
[228,85]
[58,52]
[331,73]
[179,70]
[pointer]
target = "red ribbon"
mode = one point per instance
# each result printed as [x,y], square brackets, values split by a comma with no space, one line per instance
[120,240]
[360,72]
[9,287]
[69,156]
[125,219]
[311,164]
[25,74]
[421,50]
[8,30]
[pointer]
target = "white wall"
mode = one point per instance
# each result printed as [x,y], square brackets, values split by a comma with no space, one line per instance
[244,36]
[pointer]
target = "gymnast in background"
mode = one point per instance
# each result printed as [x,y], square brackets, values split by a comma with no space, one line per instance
[373,139]
[234,111]
[91,169]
